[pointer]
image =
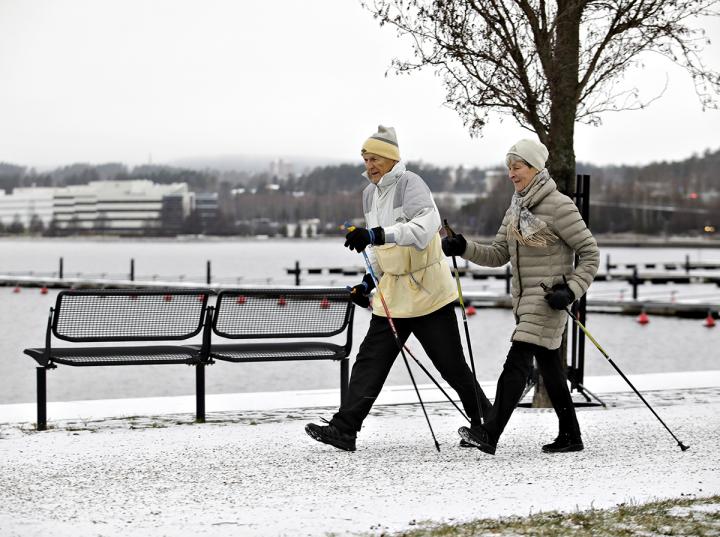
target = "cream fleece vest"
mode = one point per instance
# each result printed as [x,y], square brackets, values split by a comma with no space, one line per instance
[414,282]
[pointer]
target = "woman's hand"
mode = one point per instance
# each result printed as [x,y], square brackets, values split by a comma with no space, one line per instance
[560,296]
[454,245]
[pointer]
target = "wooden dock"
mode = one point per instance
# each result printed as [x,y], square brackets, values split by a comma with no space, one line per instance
[695,310]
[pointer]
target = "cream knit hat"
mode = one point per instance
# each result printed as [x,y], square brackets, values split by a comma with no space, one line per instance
[383,143]
[532,152]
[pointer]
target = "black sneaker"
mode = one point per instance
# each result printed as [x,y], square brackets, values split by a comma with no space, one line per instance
[463,443]
[564,443]
[479,438]
[329,434]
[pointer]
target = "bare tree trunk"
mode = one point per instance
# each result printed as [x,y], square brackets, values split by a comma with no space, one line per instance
[563,83]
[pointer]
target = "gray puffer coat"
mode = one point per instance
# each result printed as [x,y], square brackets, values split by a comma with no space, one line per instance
[536,321]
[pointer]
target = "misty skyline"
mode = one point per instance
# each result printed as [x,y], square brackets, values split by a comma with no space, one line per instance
[109,81]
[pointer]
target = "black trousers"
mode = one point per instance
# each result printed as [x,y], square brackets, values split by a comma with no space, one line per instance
[438,334]
[513,380]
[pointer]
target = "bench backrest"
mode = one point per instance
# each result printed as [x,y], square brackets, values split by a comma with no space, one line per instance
[129,315]
[278,313]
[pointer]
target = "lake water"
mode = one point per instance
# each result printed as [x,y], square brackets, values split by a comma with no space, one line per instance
[665,344]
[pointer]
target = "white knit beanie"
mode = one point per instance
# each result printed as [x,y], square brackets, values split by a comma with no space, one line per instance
[532,152]
[383,143]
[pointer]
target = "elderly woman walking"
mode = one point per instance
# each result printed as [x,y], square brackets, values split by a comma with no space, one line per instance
[540,234]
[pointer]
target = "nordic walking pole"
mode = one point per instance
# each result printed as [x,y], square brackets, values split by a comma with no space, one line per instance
[451,233]
[683,447]
[397,338]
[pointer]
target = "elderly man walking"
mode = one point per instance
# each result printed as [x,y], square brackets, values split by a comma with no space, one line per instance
[403,225]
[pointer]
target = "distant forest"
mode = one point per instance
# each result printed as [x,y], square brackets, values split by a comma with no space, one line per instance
[680,197]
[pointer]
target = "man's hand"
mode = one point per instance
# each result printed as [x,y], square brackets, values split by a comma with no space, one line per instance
[359,238]
[360,293]
[560,296]
[454,245]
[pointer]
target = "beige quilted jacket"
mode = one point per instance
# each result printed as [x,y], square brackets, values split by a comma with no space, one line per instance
[536,321]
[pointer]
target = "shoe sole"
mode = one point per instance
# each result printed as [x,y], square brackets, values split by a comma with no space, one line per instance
[315,436]
[567,449]
[482,446]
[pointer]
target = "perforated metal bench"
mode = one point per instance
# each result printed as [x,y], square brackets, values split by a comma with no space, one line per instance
[310,317]
[131,317]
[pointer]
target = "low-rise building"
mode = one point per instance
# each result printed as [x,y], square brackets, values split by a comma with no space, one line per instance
[122,207]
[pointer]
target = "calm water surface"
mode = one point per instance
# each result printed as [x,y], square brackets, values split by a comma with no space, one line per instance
[665,344]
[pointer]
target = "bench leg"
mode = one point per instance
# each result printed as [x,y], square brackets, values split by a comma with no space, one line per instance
[200,393]
[344,379]
[41,399]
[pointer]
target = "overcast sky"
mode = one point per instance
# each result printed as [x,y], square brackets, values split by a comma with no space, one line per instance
[129,80]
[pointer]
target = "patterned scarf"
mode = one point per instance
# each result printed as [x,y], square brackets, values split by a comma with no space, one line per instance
[527,228]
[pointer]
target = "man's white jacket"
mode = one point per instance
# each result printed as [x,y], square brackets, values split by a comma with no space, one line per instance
[415,278]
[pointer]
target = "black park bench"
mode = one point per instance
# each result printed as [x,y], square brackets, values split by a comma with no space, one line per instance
[304,319]
[139,319]
[154,327]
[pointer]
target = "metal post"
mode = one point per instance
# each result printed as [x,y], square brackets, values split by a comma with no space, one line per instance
[507,280]
[687,263]
[200,393]
[607,264]
[60,269]
[132,270]
[297,273]
[582,303]
[634,283]
[209,274]
[41,399]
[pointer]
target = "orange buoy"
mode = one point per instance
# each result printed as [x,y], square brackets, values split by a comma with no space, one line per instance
[281,301]
[709,320]
[43,290]
[324,303]
[643,318]
[470,310]
[201,298]
[168,298]
[17,289]
[241,299]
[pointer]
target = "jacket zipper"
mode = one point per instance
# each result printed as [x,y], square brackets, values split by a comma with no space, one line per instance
[517,263]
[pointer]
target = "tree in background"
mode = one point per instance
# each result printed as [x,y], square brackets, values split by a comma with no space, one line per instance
[548,64]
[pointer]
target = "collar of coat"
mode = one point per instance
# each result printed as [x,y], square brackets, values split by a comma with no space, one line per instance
[390,178]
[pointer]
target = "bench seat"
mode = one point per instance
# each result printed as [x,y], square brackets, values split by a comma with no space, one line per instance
[103,356]
[262,352]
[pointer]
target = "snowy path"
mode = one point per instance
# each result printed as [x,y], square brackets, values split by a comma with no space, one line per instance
[259,474]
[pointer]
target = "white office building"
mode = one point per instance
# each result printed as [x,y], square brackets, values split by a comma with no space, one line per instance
[132,207]
[26,205]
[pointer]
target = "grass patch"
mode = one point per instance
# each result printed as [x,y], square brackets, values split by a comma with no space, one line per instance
[696,517]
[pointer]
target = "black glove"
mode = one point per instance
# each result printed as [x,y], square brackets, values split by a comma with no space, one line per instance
[560,296]
[454,245]
[360,293]
[360,237]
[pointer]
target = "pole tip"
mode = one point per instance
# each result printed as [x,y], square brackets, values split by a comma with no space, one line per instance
[683,447]
[437,446]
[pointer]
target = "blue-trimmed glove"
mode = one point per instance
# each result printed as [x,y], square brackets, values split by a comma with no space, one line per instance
[360,293]
[454,245]
[359,238]
[560,296]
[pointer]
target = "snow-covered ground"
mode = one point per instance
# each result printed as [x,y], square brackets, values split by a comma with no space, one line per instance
[255,472]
